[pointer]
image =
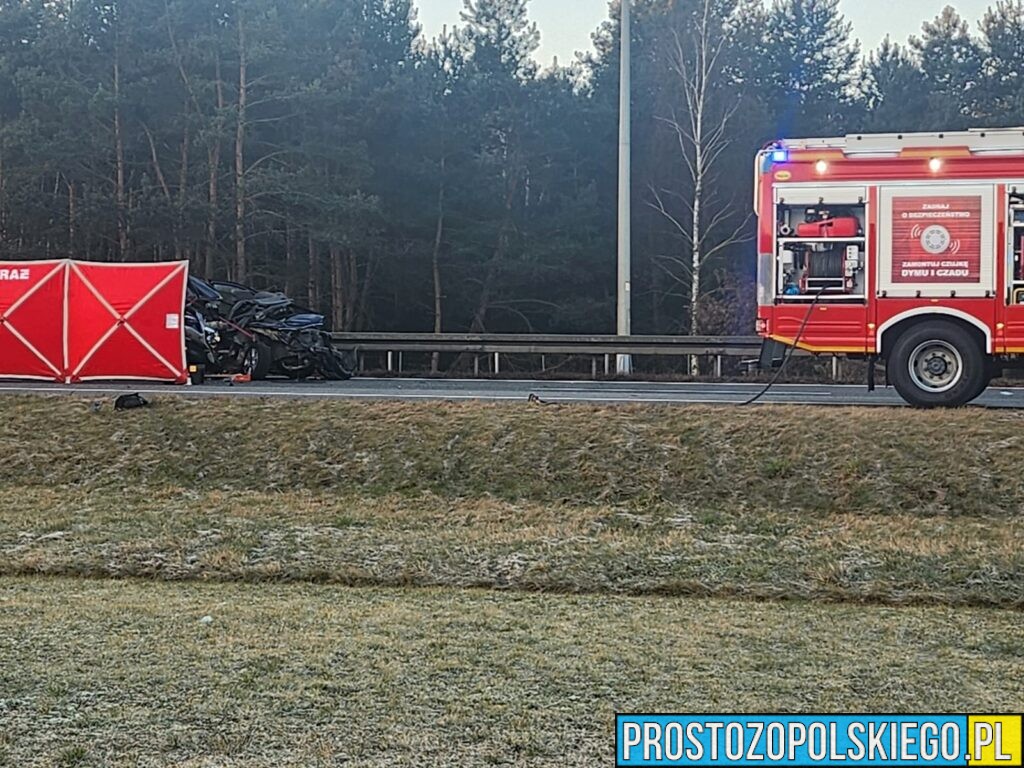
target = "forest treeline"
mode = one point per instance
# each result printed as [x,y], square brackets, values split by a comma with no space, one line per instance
[324,147]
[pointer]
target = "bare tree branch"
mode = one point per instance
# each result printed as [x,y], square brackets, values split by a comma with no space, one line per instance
[701,139]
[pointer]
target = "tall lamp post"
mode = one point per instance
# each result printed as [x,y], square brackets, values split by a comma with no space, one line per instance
[624,363]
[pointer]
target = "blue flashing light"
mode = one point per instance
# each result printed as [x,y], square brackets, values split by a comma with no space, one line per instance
[780,156]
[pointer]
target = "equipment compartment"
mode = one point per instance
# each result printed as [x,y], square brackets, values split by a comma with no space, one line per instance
[1015,229]
[821,250]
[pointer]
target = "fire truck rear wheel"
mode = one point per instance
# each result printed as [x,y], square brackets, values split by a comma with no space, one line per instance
[938,365]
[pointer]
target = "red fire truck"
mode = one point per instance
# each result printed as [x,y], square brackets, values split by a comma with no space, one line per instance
[906,249]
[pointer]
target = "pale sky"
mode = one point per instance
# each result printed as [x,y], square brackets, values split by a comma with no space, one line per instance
[566,25]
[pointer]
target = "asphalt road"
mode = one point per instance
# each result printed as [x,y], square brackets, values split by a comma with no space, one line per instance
[413,390]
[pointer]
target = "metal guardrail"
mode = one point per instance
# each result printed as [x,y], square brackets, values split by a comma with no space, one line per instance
[395,345]
[510,344]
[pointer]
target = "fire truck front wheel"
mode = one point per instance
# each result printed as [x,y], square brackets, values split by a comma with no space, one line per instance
[938,365]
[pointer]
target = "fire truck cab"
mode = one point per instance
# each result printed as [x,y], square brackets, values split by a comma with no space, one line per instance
[907,249]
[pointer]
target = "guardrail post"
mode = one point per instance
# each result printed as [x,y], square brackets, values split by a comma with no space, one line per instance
[836,369]
[476,366]
[718,366]
[593,368]
[391,361]
[497,362]
[607,365]
[543,364]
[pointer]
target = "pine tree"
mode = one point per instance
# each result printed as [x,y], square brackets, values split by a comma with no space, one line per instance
[501,37]
[896,90]
[951,61]
[1002,32]
[814,64]
[498,39]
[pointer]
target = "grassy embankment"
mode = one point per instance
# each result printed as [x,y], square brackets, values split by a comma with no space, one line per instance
[889,544]
[869,505]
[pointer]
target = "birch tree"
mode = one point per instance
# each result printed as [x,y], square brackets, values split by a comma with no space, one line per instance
[705,225]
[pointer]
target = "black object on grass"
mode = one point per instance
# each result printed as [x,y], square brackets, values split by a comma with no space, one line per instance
[130,402]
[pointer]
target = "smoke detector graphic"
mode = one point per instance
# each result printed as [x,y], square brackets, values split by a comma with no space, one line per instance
[936,239]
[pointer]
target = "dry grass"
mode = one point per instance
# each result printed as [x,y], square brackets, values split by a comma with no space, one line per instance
[396,541]
[767,503]
[886,528]
[813,460]
[126,673]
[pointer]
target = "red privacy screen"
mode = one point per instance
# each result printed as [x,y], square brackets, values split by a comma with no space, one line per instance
[32,320]
[74,321]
